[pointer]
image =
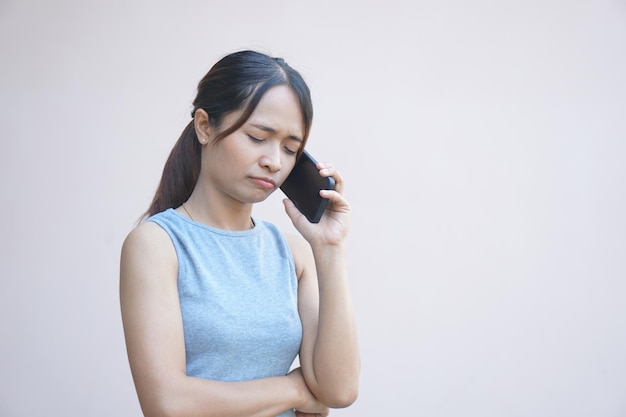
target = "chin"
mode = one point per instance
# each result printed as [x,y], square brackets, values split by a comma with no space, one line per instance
[261,198]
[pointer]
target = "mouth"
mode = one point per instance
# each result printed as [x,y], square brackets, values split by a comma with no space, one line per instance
[264,182]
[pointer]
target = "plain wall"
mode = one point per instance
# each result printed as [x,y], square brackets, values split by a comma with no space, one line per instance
[483,145]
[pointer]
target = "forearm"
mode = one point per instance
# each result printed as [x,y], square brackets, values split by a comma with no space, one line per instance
[335,356]
[196,397]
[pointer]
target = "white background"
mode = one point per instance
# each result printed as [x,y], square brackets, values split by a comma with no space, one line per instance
[483,143]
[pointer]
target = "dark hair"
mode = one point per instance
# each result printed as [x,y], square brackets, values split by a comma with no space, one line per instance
[237,81]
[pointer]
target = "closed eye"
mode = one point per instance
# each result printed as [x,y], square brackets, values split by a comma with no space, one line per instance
[256,140]
[289,151]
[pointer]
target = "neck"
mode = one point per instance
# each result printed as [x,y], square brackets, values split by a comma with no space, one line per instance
[236,217]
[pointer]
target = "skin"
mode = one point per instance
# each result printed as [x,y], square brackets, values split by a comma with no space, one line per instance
[236,172]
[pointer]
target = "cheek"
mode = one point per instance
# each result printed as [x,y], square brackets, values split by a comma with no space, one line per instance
[232,150]
[288,161]
[286,167]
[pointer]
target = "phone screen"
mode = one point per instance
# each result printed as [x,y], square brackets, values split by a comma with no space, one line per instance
[303,185]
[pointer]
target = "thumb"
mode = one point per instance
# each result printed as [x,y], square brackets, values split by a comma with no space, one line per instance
[291,210]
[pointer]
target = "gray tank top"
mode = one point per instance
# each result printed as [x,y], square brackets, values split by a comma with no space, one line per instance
[238,298]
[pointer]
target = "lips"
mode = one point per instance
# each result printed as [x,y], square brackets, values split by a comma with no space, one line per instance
[264,182]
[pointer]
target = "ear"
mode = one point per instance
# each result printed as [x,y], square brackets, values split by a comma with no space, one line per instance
[203,128]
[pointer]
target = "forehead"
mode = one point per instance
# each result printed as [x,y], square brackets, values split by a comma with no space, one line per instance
[279,109]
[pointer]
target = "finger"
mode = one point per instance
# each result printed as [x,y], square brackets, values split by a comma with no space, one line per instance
[337,200]
[292,211]
[328,170]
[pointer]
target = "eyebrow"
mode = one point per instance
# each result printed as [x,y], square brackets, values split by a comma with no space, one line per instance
[272,130]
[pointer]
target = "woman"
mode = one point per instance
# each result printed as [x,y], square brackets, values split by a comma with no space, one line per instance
[216,305]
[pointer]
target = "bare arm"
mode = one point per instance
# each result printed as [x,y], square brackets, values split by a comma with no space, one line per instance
[155,343]
[329,353]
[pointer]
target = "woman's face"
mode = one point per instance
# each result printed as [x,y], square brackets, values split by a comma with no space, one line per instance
[252,162]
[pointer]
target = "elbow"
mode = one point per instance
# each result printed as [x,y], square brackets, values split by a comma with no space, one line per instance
[340,398]
[337,390]
[343,402]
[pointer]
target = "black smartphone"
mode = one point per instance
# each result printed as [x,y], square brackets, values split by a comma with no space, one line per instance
[303,186]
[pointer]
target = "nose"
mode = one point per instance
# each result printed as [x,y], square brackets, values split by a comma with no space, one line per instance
[271,159]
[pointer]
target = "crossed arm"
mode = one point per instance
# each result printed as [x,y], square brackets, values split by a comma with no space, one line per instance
[151,315]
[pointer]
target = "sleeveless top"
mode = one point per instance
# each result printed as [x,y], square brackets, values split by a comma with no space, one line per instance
[238,298]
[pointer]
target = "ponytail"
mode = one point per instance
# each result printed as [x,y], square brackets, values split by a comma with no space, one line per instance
[180,173]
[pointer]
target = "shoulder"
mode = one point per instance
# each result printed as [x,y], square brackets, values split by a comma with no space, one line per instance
[147,234]
[301,251]
[148,244]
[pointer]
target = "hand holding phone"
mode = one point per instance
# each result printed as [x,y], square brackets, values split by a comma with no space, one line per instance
[303,186]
